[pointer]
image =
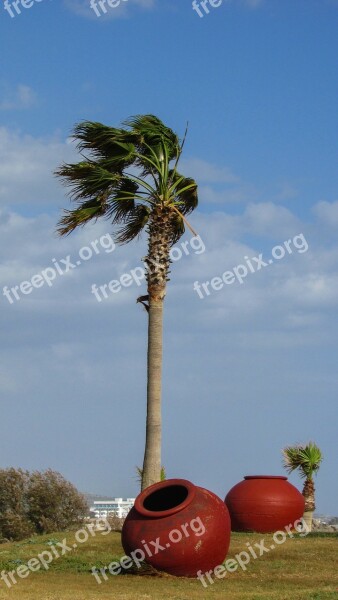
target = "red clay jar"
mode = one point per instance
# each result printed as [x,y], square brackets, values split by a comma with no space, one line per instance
[179,527]
[264,503]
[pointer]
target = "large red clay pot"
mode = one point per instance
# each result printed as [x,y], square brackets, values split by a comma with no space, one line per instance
[264,503]
[179,527]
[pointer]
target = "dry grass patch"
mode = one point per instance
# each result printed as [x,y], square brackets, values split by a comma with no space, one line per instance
[299,569]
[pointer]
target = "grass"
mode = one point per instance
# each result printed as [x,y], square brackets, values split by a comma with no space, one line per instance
[300,569]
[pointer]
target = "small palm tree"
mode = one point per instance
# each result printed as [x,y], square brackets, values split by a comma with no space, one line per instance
[139,474]
[129,176]
[305,459]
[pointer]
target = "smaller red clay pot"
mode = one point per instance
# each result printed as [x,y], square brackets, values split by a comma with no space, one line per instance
[264,503]
[179,527]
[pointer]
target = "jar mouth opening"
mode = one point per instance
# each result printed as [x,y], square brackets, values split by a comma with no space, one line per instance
[266,477]
[165,498]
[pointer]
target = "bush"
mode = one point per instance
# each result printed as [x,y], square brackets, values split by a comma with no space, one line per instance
[14,526]
[115,522]
[37,503]
[14,522]
[54,503]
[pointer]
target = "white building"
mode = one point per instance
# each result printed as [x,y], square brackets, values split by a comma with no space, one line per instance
[118,507]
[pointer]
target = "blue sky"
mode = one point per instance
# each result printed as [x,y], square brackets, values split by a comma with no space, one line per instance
[248,369]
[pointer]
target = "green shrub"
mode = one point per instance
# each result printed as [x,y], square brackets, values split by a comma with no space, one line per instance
[37,503]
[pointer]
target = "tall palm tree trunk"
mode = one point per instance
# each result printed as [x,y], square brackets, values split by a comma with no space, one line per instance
[158,263]
[152,456]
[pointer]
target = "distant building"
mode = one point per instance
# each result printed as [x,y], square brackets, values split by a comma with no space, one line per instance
[118,507]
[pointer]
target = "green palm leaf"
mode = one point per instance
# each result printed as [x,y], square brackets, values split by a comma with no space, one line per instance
[304,458]
[185,191]
[135,220]
[105,142]
[87,179]
[153,134]
[71,219]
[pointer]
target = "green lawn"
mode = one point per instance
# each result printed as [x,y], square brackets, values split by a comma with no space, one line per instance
[300,569]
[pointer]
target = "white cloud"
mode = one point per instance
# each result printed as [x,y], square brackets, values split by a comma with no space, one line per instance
[83,8]
[252,3]
[221,185]
[232,195]
[125,8]
[313,289]
[218,185]
[285,191]
[19,98]
[207,172]
[270,220]
[327,212]
[26,169]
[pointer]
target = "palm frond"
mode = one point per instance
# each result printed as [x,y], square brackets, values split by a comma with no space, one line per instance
[311,457]
[78,217]
[122,201]
[105,142]
[304,458]
[291,458]
[185,192]
[135,221]
[153,132]
[87,179]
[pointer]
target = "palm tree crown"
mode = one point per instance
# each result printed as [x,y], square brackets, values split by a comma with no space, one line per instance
[306,459]
[126,177]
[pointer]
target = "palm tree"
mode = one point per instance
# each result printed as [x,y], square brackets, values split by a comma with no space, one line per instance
[305,459]
[129,176]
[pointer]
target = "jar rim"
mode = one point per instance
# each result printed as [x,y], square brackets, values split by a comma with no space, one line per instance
[266,477]
[162,485]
